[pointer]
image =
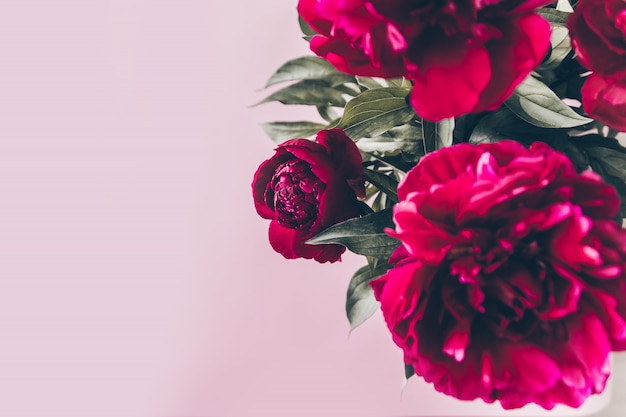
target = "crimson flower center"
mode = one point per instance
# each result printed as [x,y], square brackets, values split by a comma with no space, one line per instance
[296,194]
[505,283]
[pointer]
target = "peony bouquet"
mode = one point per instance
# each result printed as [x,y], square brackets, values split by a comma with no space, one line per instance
[469,150]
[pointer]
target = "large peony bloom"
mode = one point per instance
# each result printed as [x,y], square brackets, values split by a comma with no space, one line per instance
[510,283]
[604,99]
[598,31]
[462,56]
[306,187]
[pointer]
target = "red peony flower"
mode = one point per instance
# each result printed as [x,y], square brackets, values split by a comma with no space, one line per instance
[510,283]
[306,187]
[461,56]
[604,99]
[598,32]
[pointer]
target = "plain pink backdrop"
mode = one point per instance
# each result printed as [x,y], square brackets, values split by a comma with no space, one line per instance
[135,277]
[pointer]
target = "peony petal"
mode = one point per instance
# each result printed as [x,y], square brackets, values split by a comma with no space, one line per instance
[592,51]
[607,312]
[523,45]
[438,168]
[589,344]
[290,243]
[605,100]
[457,340]
[566,244]
[401,293]
[346,158]
[262,179]
[449,74]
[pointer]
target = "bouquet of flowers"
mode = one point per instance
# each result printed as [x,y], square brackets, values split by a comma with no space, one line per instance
[469,150]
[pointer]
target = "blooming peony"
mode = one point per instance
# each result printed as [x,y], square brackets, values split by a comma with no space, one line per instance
[604,99]
[306,187]
[598,31]
[461,56]
[510,283]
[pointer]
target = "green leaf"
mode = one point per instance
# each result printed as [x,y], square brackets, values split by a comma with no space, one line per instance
[305,28]
[553,15]
[607,157]
[388,146]
[405,140]
[437,135]
[308,92]
[504,124]
[411,130]
[360,301]
[402,162]
[620,186]
[364,235]
[384,183]
[308,68]
[535,103]
[408,371]
[613,162]
[371,83]
[374,112]
[282,131]
[398,82]
[598,141]
[328,113]
[560,48]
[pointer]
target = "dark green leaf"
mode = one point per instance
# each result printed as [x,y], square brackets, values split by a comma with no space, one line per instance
[371,83]
[364,235]
[411,130]
[464,126]
[560,48]
[553,15]
[607,157]
[408,371]
[360,301]
[403,162]
[504,124]
[282,131]
[348,89]
[308,68]
[598,141]
[535,103]
[381,202]
[405,140]
[374,112]
[384,183]
[398,82]
[387,146]
[328,113]
[437,135]
[305,28]
[308,92]
[613,162]
[620,186]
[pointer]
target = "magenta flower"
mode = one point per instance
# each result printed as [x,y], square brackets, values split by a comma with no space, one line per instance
[598,31]
[461,56]
[510,283]
[604,99]
[306,187]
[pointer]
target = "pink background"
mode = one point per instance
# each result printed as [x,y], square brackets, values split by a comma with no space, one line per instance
[135,276]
